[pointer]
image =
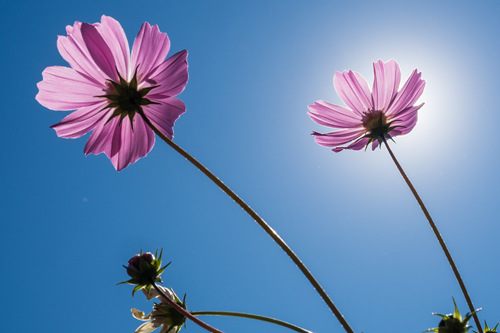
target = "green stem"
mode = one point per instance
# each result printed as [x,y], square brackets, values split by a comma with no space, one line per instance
[440,239]
[184,312]
[250,316]
[260,221]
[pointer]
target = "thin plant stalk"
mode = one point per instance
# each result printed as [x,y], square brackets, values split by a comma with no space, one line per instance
[440,239]
[260,221]
[184,312]
[251,316]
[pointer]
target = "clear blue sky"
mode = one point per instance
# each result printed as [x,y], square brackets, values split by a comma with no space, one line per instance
[69,222]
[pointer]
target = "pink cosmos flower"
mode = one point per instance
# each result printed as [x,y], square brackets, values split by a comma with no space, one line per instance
[373,116]
[110,88]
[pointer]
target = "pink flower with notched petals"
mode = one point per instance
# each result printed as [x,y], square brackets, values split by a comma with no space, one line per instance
[110,88]
[373,116]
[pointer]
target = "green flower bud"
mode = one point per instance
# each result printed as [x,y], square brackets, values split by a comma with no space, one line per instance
[144,270]
[452,323]
[489,330]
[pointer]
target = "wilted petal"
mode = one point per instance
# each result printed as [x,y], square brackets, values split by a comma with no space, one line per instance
[140,315]
[114,36]
[147,327]
[164,115]
[386,83]
[353,90]
[64,89]
[168,329]
[80,122]
[99,51]
[152,293]
[339,137]
[333,115]
[171,75]
[150,49]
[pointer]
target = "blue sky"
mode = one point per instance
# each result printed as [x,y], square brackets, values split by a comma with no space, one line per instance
[69,222]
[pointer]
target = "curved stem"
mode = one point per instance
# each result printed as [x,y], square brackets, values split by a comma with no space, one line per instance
[270,231]
[438,236]
[184,312]
[250,316]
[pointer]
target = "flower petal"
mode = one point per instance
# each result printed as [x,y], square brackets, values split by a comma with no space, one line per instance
[147,327]
[408,95]
[166,329]
[333,115]
[99,51]
[140,315]
[73,49]
[80,122]
[164,115]
[353,90]
[171,75]
[114,36]
[386,83]
[62,88]
[100,141]
[356,145]
[339,137]
[150,49]
[123,144]
[405,120]
[134,142]
[152,293]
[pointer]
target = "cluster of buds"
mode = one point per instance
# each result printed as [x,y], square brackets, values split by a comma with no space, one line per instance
[144,270]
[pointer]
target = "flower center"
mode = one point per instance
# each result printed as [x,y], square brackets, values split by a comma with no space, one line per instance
[376,124]
[125,97]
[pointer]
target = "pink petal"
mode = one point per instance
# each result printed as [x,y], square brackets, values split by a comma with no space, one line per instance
[409,94]
[385,84]
[100,141]
[164,115]
[339,137]
[135,142]
[73,49]
[120,142]
[356,145]
[353,90]
[114,36]
[333,115]
[405,120]
[63,88]
[150,49]
[171,75]
[99,51]
[80,122]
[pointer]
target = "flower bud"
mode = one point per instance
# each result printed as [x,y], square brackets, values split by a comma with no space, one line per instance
[134,262]
[452,323]
[489,330]
[144,270]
